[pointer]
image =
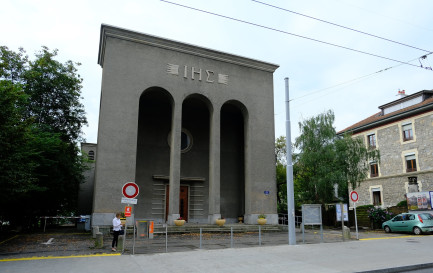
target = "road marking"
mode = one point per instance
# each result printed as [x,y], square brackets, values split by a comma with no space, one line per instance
[384,238]
[9,239]
[48,242]
[59,257]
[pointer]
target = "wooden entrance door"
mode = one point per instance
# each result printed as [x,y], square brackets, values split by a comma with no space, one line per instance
[183,202]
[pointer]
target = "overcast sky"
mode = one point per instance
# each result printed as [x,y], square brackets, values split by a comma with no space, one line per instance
[322,76]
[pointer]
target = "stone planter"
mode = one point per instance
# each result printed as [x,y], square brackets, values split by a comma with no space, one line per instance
[220,222]
[179,222]
[261,221]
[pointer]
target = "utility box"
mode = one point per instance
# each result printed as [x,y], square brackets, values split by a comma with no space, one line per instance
[144,229]
[84,223]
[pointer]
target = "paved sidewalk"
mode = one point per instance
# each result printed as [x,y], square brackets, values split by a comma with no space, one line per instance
[375,251]
[69,242]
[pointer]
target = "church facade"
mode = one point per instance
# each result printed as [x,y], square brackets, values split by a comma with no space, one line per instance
[191,126]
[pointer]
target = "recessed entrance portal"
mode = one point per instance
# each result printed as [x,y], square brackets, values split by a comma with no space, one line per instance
[183,201]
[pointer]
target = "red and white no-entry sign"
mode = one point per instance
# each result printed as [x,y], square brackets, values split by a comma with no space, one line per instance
[130,190]
[354,196]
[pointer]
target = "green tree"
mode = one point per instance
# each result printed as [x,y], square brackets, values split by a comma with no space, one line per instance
[42,117]
[16,138]
[326,160]
[280,155]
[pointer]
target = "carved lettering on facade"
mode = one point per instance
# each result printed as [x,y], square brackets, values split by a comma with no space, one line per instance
[223,79]
[197,73]
[193,72]
[173,69]
[209,75]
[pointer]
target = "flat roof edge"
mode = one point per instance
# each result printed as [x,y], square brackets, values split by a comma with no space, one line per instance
[133,36]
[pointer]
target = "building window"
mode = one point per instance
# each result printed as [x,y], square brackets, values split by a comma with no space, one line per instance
[91,155]
[371,141]
[374,171]
[186,140]
[407,132]
[410,163]
[377,201]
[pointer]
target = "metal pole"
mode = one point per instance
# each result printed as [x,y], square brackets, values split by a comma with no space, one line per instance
[200,236]
[342,219]
[356,222]
[231,237]
[289,173]
[321,232]
[166,250]
[133,244]
[260,236]
[124,236]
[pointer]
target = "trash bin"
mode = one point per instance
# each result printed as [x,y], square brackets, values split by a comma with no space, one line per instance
[144,229]
[84,222]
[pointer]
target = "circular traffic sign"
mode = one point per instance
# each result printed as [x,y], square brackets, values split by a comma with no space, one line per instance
[354,196]
[130,190]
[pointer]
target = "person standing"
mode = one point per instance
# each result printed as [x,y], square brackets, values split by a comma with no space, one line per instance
[117,227]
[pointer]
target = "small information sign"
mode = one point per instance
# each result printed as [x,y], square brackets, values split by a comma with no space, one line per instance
[128,210]
[129,201]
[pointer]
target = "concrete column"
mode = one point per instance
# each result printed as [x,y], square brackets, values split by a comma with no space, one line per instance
[176,129]
[99,242]
[250,200]
[214,167]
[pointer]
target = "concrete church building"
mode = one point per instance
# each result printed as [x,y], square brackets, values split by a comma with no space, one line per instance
[191,126]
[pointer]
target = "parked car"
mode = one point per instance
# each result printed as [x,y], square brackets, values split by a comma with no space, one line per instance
[410,222]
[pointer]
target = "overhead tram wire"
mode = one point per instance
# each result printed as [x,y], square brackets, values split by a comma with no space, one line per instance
[337,25]
[289,33]
[349,81]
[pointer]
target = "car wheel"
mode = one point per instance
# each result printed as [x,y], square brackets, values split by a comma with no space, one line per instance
[387,229]
[417,230]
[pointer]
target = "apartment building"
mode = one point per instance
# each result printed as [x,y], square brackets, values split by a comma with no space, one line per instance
[403,133]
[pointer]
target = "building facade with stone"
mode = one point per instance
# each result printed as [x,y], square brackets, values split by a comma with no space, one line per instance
[191,126]
[403,133]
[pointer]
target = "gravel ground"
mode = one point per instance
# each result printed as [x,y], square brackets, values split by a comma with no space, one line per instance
[71,242]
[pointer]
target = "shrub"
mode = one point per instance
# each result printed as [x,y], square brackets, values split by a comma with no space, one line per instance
[402,204]
[379,215]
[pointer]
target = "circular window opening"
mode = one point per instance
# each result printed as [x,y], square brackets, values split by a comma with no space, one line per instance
[185,140]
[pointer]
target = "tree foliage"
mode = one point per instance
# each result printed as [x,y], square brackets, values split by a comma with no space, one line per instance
[323,160]
[327,161]
[40,127]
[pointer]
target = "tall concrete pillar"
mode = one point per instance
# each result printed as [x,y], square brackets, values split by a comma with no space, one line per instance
[176,129]
[214,167]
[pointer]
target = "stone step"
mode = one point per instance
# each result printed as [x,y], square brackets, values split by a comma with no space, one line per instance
[190,228]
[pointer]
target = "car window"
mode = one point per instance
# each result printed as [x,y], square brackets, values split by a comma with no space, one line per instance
[398,218]
[410,217]
[426,216]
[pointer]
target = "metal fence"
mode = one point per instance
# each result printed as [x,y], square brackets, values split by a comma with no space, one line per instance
[204,239]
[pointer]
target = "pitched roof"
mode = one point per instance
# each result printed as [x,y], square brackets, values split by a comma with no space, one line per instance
[379,118]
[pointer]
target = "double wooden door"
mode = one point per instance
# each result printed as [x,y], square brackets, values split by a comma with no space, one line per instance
[183,202]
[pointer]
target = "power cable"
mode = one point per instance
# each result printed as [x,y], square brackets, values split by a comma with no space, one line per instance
[337,25]
[289,33]
[352,80]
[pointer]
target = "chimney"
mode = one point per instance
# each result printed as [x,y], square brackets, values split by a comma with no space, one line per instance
[401,94]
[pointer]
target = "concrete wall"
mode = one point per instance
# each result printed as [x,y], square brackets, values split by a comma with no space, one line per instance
[133,63]
[85,194]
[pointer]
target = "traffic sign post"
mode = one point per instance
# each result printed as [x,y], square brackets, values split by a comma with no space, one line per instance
[354,197]
[130,191]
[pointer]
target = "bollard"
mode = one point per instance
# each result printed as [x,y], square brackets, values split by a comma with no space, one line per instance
[346,233]
[95,230]
[99,242]
[120,243]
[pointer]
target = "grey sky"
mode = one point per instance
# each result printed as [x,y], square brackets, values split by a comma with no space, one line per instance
[73,28]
